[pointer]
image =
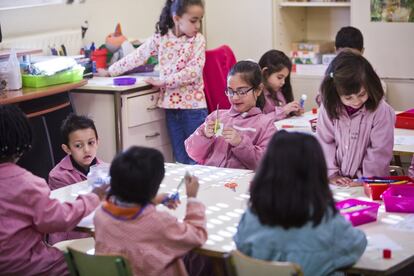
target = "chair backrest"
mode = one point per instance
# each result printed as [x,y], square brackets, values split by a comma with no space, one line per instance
[218,64]
[244,265]
[82,264]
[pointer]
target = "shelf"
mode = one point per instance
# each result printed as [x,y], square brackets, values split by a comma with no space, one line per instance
[316,4]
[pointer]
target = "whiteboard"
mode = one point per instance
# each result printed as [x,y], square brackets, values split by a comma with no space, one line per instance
[388,46]
[13,4]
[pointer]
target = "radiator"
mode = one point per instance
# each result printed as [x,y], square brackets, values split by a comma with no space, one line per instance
[71,38]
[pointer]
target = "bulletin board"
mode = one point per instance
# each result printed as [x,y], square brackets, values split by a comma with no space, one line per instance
[389,46]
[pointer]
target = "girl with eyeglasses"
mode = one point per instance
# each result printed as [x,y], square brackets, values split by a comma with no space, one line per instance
[276,68]
[244,130]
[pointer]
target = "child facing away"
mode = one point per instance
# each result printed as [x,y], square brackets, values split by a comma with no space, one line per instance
[80,142]
[27,212]
[235,138]
[276,68]
[355,124]
[181,54]
[292,215]
[129,224]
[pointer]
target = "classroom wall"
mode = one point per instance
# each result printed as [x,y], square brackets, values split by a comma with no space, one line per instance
[137,17]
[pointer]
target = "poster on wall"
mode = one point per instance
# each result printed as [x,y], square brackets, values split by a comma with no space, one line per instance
[392,10]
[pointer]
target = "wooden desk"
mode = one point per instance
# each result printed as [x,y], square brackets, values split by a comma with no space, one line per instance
[225,206]
[124,115]
[46,108]
[302,124]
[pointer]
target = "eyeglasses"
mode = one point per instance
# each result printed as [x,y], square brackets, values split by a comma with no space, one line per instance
[239,92]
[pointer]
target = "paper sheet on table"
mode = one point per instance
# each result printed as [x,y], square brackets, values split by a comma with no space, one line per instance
[380,241]
[297,121]
[87,221]
[404,140]
[407,224]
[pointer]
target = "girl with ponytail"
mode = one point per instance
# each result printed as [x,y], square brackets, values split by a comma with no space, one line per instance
[180,48]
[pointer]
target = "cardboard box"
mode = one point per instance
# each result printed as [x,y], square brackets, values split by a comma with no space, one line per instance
[316,46]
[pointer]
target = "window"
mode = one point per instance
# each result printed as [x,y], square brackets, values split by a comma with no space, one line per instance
[14,4]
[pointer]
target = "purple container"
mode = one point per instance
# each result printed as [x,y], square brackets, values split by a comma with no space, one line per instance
[399,199]
[124,81]
[357,211]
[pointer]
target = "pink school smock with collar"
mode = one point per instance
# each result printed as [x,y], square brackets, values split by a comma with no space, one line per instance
[27,213]
[274,108]
[255,128]
[64,174]
[181,61]
[154,242]
[360,144]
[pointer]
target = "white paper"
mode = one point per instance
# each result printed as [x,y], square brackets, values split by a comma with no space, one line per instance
[404,140]
[407,224]
[380,241]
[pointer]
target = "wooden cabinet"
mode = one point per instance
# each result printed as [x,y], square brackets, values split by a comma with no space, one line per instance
[298,21]
[124,116]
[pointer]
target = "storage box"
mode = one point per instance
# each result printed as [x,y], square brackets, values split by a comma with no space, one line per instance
[316,46]
[374,190]
[399,199]
[37,81]
[357,211]
[405,119]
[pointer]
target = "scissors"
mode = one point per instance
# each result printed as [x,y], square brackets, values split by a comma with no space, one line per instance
[176,196]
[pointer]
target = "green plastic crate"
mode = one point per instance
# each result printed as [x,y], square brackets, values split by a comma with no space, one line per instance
[59,78]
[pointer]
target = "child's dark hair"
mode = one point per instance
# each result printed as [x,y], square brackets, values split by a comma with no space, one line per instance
[349,37]
[171,8]
[73,123]
[250,73]
[346,75]
[136,174]
[291,187]
[274,61]
[15,133]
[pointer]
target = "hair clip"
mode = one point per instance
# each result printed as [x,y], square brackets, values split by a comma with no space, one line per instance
[331,75]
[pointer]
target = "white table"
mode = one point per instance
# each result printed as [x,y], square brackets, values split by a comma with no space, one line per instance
[302,124]
[225,206]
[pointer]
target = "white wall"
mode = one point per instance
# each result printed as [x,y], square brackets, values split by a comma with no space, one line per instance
[137,18]
[244,25]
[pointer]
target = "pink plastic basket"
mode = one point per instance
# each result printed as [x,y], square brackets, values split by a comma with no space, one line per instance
[357,211]
[399,199]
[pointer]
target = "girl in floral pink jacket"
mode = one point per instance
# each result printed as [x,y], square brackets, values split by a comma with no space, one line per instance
[235,138]
[181,54]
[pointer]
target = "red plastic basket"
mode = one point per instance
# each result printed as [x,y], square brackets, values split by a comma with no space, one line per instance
[405,119]
[374,190]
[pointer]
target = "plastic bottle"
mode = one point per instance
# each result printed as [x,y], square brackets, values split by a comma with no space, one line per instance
[14,78]
[98,175]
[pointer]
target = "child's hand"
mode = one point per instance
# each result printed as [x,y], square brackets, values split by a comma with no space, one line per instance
[291,107]
[155,82]
[101,190]
[102,73]
[341,181]
[209,129]
[232,136]
[165,199]
[191,186]
[300,112]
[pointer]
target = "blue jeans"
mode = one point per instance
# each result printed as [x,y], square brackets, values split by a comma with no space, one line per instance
[181,123]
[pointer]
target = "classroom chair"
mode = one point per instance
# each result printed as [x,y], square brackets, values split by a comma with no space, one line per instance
[218,63]
[83,264]
[243,265]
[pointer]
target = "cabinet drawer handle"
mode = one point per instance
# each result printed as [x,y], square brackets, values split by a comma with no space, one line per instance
[151,108]
[152,135]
